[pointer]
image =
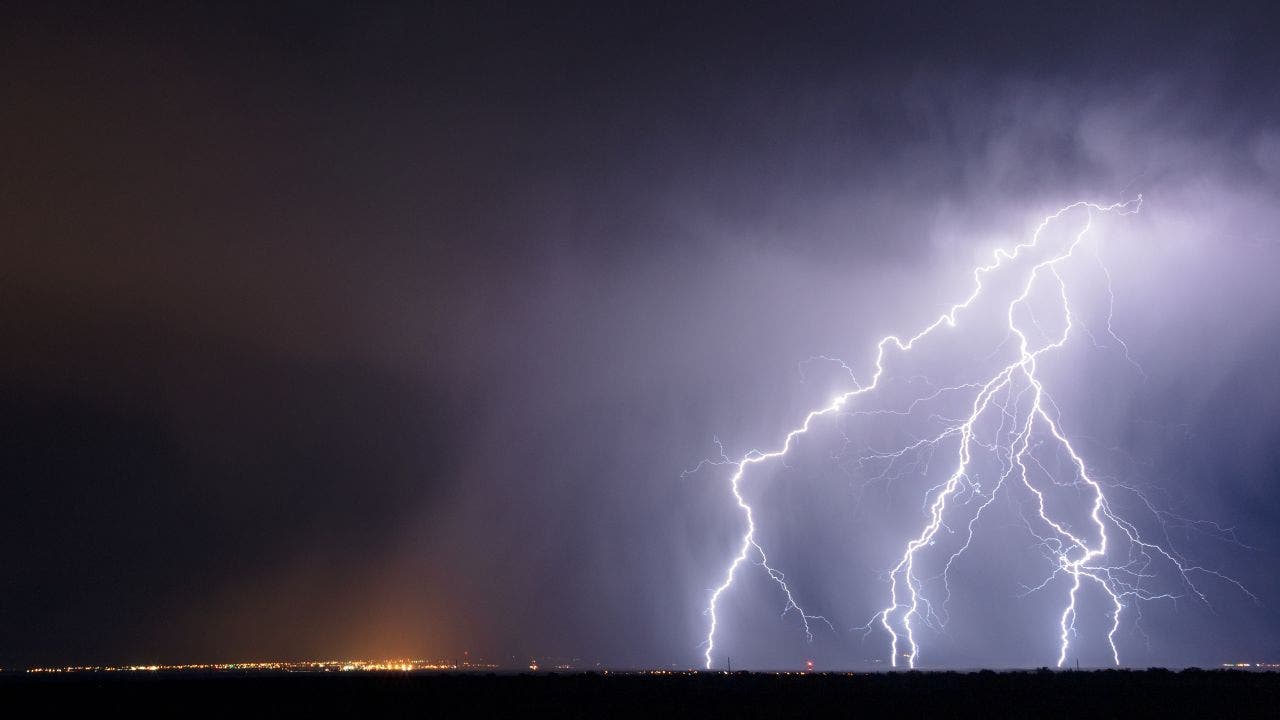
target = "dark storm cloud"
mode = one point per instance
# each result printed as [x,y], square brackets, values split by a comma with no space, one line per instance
[379,330]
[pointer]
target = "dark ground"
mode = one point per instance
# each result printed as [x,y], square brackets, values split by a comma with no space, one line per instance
[1151,693]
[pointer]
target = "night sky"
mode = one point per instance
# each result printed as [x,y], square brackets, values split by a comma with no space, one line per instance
[360,330]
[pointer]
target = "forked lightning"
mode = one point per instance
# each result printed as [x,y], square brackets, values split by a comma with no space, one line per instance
[1015,397]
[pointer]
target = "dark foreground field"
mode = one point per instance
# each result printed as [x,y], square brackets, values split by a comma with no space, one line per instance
[1152,693]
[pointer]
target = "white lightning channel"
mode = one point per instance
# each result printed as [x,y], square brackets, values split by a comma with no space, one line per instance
[1081,555]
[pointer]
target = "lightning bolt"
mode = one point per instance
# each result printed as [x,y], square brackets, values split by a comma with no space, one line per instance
[1028,419]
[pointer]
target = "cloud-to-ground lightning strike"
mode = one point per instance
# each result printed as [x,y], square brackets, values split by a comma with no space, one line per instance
[1015,396]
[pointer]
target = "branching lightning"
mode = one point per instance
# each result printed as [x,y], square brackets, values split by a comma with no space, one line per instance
[1107,552]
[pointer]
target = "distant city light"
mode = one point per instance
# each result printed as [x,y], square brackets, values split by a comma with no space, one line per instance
[397,665]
